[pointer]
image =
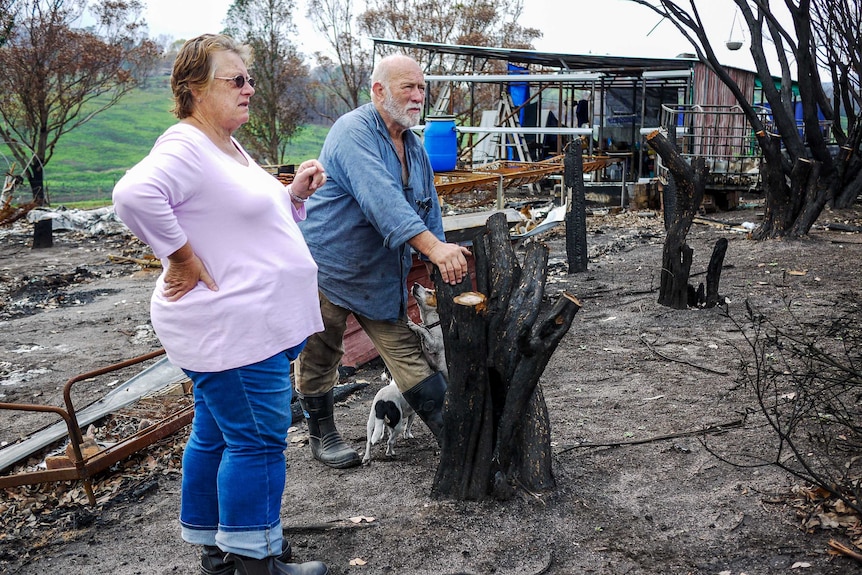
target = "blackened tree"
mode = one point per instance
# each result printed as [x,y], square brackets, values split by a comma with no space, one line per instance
[802,173]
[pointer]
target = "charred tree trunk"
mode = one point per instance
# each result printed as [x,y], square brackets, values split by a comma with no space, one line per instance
[849,167]
[815,196]
[713,273]
[669,202]
[851,174]
[496,434]
[576,212]
[792,208]
[43,234]
[468,421]
[669,193]
[43,230]
[677,256]
[675,270]
[776,211]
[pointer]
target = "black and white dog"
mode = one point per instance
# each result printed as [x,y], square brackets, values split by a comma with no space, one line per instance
[389,411]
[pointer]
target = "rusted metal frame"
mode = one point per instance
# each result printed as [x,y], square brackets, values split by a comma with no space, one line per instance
[84,469]
[78,437]
[68,472]
[79,472]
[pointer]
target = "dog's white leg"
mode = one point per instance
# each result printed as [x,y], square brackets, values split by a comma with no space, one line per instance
[394,432]
[416,328]
[408,429]
[369,429]
[390,445]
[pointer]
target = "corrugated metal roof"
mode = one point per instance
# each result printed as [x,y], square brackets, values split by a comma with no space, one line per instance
[592,62]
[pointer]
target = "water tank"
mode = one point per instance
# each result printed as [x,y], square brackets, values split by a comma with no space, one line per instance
[441,142]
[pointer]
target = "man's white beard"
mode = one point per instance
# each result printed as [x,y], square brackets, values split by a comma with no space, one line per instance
[399,115]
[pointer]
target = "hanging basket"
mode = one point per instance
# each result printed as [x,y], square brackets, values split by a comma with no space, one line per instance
[732,44]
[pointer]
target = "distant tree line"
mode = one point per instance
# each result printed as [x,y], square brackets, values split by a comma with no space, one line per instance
[60,75]
[291,94]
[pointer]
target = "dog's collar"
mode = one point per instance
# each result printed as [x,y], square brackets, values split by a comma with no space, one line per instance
[433,325]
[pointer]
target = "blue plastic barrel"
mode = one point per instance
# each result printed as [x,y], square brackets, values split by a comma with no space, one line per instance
[441,142]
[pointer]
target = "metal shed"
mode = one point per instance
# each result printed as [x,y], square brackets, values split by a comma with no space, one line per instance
[613,101]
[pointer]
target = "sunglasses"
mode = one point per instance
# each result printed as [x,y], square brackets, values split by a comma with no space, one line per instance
[239,80]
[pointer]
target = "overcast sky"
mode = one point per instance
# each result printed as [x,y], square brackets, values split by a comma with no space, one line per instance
[616,27]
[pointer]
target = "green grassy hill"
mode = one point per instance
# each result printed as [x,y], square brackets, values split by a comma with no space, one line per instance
[89,160]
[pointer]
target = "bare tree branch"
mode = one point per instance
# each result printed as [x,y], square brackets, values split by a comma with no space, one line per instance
[60,77]
[281,92]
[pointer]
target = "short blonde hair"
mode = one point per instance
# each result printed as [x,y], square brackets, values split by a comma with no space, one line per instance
[194,70]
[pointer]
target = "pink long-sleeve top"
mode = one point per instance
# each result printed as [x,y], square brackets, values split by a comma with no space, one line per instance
[241,223]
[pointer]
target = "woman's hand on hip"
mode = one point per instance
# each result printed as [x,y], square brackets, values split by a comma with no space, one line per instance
[185,270]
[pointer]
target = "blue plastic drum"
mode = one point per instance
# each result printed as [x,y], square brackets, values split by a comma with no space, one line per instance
[441,142]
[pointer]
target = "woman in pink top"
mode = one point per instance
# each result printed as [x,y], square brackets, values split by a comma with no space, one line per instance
[234,305]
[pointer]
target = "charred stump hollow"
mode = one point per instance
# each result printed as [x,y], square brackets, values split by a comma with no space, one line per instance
[496,433]
[690,184]
[687,188]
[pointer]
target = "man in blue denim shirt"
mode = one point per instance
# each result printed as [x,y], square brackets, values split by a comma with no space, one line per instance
[378,202]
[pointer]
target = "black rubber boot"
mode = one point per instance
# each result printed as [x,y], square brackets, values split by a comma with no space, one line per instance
[426,398]
[213,559]
[327,446]
[272,566]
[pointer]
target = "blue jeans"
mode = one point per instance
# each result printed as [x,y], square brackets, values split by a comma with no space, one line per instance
[233,464]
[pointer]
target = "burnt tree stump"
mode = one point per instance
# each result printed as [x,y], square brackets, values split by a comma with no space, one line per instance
[690,185]
[576,207]
[43,231]
[668,201]
[713,273]
[496,432]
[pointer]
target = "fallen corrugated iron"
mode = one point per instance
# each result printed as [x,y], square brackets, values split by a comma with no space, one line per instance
[84,464]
